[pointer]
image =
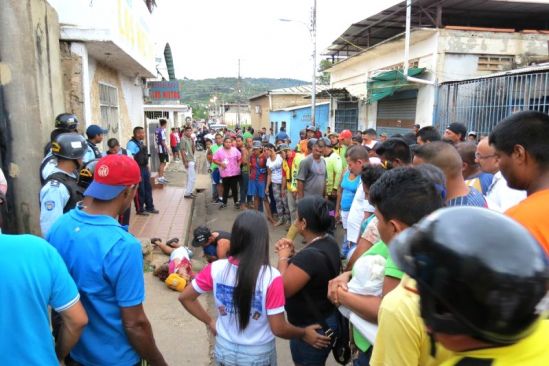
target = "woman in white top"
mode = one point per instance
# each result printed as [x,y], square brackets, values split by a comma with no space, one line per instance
[249,298]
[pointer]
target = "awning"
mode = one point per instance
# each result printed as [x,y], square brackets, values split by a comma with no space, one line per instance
[336,93]
[385,83]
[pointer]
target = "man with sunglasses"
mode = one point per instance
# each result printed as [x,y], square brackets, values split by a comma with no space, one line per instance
[106,263]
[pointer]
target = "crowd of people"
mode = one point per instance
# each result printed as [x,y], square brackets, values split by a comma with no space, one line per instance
[425,217]
[444,258]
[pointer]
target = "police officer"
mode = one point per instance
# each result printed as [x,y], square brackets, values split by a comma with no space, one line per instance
[64,123]
[480,297]
[60,193]
[143,199]
[95,136]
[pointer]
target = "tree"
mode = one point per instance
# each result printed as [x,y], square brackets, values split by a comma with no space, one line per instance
[324,78]
[199,112]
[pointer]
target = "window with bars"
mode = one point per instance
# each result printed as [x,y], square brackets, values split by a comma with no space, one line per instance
[495,63]
[108,104]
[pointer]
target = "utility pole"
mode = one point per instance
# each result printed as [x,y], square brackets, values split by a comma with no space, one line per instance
[238,97]
[313,36]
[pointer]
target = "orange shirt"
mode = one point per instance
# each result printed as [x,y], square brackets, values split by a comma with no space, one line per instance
[303,146]
[533,213]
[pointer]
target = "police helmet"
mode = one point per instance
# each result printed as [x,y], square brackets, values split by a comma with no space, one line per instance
[69,146]
[66,121]
[85,176]
[478,273]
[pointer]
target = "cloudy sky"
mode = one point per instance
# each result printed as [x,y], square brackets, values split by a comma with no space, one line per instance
[208,37]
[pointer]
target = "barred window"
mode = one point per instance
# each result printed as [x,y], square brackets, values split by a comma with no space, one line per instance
[108,103]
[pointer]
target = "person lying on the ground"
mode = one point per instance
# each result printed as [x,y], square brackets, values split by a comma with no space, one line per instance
[215,244]
[180,259]
[249,300]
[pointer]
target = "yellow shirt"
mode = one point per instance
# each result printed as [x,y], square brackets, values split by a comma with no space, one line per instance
[531,351]
[401,337]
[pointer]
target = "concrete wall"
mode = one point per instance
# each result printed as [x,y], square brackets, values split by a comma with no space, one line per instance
[128,104]
[298,119]
[32,89]
[259,120]
[72,67]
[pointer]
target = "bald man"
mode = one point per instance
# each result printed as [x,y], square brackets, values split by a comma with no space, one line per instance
[473,175]
[445,156]
[498,196]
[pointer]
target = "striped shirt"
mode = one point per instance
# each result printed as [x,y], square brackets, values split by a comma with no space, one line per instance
[473,198]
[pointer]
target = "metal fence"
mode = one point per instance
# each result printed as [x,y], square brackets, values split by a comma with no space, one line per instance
[480,104]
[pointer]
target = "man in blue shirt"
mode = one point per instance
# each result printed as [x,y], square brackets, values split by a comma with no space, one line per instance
[143,199]
[107,266]
[33,278]
[282,136]
[95,136]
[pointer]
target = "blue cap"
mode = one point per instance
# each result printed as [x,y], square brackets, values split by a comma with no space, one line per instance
[95,130]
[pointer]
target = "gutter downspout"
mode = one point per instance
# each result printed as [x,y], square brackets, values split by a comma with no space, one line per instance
[407,48]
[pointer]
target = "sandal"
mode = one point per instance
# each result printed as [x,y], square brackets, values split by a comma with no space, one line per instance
[171,241]
[154,240]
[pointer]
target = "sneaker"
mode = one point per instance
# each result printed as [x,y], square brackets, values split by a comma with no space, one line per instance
[222,206]
[237,206]
[142,213]
[153,211]
[161,180]
[190,196]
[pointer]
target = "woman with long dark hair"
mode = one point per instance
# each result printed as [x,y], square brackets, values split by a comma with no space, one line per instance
[249,298]
[306,275]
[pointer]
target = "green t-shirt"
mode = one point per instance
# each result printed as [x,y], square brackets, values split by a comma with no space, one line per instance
[379,248]
[213,149]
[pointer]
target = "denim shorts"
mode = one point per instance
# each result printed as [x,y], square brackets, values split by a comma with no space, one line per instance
[256,188]
[228,353]
[216,176]
[306,355]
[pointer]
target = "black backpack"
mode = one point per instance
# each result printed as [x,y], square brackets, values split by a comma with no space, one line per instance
[76,193]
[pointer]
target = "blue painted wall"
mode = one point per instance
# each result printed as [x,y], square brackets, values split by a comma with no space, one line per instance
[298,119]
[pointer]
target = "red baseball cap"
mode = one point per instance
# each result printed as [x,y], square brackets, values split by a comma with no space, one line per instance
[113,173]
[345,134]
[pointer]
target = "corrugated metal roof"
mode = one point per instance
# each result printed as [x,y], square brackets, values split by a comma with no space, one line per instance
[300,107]
[294,90]
[474,13]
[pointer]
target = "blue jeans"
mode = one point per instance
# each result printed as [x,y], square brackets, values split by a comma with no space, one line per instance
[243,185]
[143,198]
[306,355]
[227,353]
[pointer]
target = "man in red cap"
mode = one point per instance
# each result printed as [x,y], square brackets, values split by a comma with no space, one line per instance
[345,141]
[106,263]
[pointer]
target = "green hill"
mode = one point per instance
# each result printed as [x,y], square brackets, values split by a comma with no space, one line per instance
[199,92]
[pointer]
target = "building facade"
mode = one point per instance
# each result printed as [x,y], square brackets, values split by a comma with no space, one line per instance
[297,118]
[107,53]
[368,87]
[261,105]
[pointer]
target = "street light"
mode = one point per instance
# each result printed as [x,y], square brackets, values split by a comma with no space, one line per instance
[312,32]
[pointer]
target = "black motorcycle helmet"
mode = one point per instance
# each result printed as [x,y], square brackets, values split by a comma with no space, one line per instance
[85,176]
[478,273]
[69,146]
[66,121]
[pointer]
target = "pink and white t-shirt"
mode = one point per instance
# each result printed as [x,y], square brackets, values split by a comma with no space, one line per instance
[220,277]
[231,159]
